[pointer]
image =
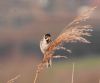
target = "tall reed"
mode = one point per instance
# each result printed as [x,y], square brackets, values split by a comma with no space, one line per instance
[73,32]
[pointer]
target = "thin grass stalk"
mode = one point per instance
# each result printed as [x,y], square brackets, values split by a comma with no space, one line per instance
[73,71]
[36,76]
[13,79]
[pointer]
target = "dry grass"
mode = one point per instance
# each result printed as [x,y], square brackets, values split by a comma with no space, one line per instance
[73,70]
[13,79]
[73,32]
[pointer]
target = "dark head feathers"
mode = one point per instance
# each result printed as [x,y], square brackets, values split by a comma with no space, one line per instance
[48,35]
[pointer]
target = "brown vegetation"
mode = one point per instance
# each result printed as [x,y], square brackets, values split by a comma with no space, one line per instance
[73,32]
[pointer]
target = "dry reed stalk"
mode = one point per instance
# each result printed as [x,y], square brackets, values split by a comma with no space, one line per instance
[36,77]
[13,79]
[73,32]
[73,70]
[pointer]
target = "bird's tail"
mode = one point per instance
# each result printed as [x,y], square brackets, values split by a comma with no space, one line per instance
[49,63]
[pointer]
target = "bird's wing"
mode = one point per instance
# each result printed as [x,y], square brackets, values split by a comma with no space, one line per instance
[74,32]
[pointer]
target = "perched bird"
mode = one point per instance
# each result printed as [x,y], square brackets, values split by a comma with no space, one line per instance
[44,44]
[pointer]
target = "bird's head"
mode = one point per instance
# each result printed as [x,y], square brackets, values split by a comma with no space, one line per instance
[47,37]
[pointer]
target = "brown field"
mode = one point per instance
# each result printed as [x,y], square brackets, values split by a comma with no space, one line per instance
[86,71]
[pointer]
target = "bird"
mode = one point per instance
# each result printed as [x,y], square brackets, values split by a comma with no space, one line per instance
[44,44]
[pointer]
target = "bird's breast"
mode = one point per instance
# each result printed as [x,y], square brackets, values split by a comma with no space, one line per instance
[43,46]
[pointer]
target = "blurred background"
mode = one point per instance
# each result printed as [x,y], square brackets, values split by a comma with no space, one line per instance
[22,25]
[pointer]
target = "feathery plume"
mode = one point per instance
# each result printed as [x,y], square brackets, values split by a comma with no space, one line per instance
[73,32]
